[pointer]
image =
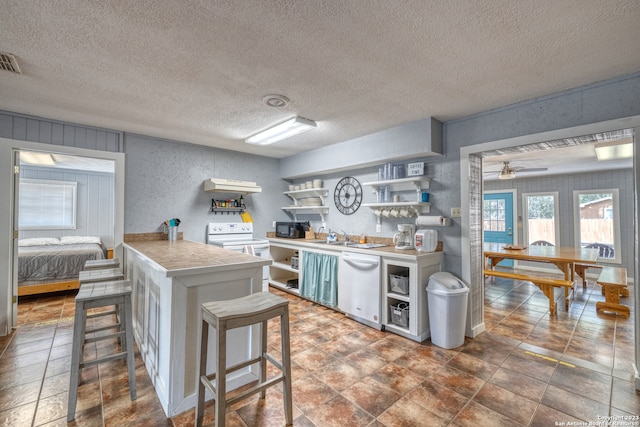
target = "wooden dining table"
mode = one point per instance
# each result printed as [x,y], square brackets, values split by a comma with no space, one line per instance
[564,258]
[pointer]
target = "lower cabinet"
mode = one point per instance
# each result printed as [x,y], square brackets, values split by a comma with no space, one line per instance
[402,292]
[404,303]
[145,303]
[319,277]
[284,269]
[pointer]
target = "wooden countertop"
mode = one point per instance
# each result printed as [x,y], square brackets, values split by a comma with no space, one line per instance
[409,254]
[184,257]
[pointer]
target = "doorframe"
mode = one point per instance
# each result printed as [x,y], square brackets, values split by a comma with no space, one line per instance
[9,245]
[471,246]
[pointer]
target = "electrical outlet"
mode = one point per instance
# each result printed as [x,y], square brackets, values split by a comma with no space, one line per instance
[378,228]
[273,224]
[456,213]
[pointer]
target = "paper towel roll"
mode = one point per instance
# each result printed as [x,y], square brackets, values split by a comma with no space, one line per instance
[429,220]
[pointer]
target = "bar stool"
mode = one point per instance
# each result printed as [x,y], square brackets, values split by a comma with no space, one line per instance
[100,264]
[102,275]
[245,311]
[100,294]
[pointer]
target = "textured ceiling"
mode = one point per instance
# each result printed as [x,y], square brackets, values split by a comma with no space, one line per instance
[196,71]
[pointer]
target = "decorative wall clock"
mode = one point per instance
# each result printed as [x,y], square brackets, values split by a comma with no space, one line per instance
[348,195]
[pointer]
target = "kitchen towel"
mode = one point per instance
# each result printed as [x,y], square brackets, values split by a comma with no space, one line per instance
[429,220]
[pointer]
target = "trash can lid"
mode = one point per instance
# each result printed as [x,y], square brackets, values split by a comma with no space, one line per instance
[446,283]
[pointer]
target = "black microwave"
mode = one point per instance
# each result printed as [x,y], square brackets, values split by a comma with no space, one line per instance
[291,230]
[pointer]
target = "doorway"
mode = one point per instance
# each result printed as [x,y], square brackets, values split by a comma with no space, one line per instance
[9,190]
[471,201]
[497,220]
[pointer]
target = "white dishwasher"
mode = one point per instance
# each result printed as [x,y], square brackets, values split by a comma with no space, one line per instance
[359,287]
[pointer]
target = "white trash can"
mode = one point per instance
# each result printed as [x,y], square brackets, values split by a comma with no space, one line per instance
[447,297]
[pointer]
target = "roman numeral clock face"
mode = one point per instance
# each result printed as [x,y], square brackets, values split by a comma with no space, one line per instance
[348,195]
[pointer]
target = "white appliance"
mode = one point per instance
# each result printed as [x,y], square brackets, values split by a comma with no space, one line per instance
[359,287]
[426,240]
[403,239]
[238,237]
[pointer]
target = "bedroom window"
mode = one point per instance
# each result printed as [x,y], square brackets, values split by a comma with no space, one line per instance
[47,204]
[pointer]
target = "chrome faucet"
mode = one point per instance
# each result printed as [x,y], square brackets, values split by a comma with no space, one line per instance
[345,237]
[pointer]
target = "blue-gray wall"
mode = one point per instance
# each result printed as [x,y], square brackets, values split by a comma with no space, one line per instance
[164,180]
[608,100]
[35,129]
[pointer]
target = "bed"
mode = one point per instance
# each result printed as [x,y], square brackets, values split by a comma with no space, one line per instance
[50,264]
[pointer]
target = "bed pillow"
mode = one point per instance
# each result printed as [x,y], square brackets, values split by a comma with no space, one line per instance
[38,241]
[71,240]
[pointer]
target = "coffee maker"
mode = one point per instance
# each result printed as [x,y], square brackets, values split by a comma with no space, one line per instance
[403,239]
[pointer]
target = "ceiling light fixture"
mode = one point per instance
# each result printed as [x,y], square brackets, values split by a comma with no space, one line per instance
[614,151]
[507,172]
[276,101]
[281,131]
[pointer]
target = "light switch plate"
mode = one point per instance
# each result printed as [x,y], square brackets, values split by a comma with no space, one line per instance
[456,213]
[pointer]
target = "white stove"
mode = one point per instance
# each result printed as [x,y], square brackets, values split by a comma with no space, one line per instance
[238,237]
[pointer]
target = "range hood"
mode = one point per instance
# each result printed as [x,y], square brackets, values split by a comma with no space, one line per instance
[231,186]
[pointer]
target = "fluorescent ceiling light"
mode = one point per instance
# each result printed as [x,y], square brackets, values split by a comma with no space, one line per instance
[614,151]
[283,130]
[34,158]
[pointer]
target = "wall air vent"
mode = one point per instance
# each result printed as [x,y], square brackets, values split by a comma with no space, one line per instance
[8,63]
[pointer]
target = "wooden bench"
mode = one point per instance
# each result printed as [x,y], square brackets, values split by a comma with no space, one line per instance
[546,285]
[614,282]
[581,270]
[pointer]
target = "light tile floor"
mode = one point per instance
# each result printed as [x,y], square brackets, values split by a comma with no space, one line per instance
[528,369]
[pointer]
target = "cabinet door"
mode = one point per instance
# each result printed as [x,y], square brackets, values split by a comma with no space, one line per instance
[319,277]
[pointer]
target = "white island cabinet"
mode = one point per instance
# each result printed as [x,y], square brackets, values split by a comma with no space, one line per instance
[170,282]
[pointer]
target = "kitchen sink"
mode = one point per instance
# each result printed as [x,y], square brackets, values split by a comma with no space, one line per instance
[352,244]
[367,245]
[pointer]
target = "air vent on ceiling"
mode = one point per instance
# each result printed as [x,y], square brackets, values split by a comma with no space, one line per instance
[8,63]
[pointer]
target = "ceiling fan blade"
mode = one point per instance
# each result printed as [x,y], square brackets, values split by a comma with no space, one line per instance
[531,170]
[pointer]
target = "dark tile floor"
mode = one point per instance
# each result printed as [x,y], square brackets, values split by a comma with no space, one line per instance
[528,369]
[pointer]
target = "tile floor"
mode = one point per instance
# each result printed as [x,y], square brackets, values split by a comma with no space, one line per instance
[528,369]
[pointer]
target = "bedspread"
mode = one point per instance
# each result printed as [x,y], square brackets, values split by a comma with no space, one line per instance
[55,262]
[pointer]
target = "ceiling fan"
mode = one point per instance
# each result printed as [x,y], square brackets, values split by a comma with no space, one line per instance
[509,172]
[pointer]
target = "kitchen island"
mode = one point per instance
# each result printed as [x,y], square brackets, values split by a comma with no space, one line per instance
[171,279]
